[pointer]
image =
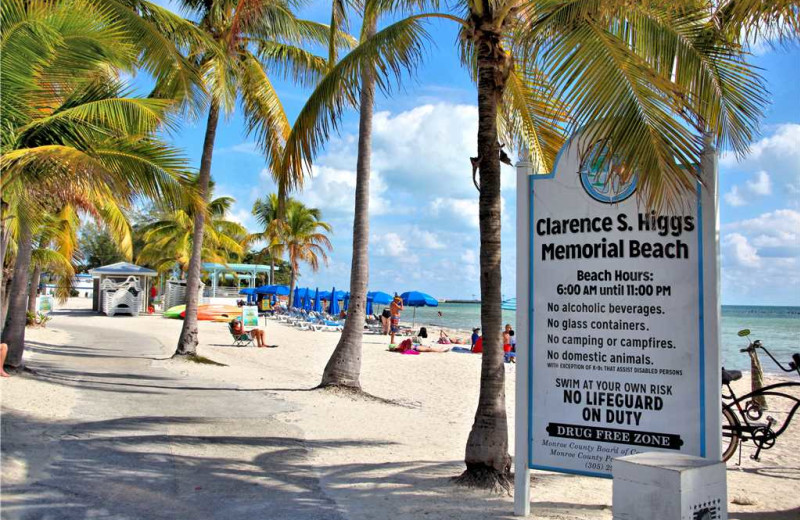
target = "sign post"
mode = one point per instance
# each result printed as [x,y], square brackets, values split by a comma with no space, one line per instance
[44,304]
[249,317]
[618,309]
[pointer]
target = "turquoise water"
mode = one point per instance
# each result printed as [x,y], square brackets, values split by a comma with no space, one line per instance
[777,327]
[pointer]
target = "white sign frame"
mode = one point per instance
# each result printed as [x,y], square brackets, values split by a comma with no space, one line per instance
[40,303]
[708,320]
[253,311]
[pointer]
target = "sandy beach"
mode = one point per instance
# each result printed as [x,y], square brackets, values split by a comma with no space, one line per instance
[368,458]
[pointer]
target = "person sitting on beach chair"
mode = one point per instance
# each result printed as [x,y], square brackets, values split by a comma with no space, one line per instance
[242,337]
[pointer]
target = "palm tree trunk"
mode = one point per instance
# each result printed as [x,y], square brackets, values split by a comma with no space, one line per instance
[6,297]
[33,290]
[187,342]
[292,283]
[271,270]
[5,238]
[14,331]
[487,459]
[344,366]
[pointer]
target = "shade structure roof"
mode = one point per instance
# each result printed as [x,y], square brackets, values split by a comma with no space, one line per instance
[237,268]
[419,299]
[248,291]
[122,269]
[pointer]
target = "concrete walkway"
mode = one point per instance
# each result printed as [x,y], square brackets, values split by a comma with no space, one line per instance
[145,443]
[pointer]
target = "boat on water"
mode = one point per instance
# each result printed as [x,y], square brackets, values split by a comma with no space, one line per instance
[509,304]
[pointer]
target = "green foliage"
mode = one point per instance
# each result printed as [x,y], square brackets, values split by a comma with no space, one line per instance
[36,319]
[97,248]
[167,238]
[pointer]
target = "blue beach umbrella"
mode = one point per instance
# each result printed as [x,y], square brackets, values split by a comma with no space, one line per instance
[317,303]
[296,299]
[346,301]
[333,308]
[418,299]
[380,297]
[377,297]
[249,292]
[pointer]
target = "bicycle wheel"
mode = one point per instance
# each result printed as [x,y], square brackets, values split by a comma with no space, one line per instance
[730,434]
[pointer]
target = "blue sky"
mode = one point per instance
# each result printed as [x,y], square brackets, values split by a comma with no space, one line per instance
[423,224]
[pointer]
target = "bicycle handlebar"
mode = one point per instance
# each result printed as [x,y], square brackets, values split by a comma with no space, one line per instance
[794,366]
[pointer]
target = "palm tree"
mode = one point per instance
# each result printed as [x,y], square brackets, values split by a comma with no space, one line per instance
[56,240]
[266,212]
[70,133]
[647,80]
[380,57]
[248,39]
[168,240]
[303,237]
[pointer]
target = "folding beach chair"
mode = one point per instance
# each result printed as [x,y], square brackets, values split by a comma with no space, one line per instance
[240,340]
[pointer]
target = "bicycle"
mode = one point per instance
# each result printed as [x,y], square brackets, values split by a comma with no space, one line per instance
[750,427]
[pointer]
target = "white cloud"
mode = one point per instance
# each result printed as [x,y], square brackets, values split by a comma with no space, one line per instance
[779,221]
[393,245]
[421,151]
[739,250]
[427,239]
[734,198]
[761,258]
[332,190]
[760,185]
[778,154]
[459,210]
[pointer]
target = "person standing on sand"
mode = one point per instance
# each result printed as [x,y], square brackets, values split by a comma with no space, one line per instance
[3,354]
[395,308]
[385,321]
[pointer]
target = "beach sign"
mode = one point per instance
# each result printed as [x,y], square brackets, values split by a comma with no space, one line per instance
[249,317]
[44,304]
[618,307]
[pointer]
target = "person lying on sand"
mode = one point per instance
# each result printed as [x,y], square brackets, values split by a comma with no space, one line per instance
[3,354]
[406,344]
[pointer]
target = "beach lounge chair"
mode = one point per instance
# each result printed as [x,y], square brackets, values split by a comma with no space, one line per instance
[240,340]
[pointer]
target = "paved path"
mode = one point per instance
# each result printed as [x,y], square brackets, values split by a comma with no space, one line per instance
[144,443]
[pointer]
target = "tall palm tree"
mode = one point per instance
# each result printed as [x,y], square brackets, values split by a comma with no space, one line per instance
[248,41]
[267,212]
[380,57]
[168,240]
[303,237]
[70,132]
[649,80]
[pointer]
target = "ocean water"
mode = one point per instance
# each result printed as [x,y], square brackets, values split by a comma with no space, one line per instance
[777,327]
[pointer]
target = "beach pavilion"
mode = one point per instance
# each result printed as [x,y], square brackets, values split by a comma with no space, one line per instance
[118,273]
[241,272]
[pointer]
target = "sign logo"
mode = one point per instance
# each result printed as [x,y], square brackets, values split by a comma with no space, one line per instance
[602,178]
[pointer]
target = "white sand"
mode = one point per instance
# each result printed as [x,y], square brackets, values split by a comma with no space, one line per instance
[387,460]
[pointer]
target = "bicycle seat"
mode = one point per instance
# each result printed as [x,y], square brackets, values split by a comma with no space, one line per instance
[730,375]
